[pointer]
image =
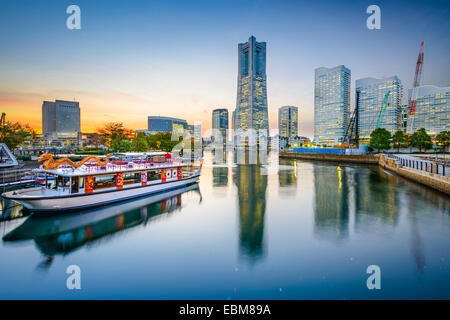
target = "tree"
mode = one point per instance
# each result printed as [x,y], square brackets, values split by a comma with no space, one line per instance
[118,144]
[14,134]
[398,139]
[443,140]
[139,143]
[421,139]
[116,137]
[162,141]
[380,139]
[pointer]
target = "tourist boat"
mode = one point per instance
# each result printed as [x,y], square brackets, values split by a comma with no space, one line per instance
[97,181]
[65,233]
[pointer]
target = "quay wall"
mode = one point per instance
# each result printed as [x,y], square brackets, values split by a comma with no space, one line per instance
[364,159]
[431,180]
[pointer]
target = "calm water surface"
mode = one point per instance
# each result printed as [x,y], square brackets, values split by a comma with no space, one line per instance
[308,230]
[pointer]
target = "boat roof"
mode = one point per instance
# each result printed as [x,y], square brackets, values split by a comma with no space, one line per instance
[107,169]
[140,154]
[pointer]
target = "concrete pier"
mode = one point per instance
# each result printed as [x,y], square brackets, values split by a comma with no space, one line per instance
[429,179]
[363,159]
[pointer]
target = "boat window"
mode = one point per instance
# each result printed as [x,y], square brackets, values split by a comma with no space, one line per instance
[60,181]
[75,185]
[129,178]
[101,182]
[66,182]
[154,175]
[51,182]
[81,182]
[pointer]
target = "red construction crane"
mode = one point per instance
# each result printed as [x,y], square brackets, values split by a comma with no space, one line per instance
[416,84]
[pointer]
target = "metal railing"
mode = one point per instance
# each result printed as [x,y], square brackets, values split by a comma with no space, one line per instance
[423,165]
[13,176]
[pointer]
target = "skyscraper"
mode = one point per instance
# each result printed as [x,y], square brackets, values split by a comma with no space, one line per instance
[288,121]
[61,119]
[251,104]
[220,122]
[432,109]
[370,99]
[331,104]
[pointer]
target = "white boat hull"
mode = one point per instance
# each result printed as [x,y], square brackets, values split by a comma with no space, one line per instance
[83,201]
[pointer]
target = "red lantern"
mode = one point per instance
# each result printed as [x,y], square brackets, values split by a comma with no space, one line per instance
[119,180]
[89,184]
[144,178]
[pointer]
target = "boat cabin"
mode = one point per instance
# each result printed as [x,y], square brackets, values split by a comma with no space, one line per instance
[127,170]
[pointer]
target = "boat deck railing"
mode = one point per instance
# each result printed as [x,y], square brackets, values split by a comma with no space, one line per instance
[117,165]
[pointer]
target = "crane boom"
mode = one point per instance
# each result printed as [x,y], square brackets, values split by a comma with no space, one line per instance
[383,110]
[416,84]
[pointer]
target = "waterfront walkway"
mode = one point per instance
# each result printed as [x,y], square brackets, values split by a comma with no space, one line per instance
[426,172]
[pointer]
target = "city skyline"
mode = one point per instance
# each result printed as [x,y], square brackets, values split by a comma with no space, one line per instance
[138,72]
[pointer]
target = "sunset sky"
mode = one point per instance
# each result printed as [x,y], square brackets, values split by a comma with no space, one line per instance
[133,59]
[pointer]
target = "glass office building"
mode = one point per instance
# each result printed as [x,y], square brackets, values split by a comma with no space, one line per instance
[61,119]
[432,109]
[331,104]
[220,122]
[370,99]
[166,124]
[404,121]
[251,104]
[288,121]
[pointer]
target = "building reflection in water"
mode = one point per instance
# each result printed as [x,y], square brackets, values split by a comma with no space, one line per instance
[331,207]
[376,199]
[287,178]
[220,176]
[63,234]
[251,188]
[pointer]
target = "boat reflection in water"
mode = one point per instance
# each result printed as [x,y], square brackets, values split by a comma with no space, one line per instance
[63,234]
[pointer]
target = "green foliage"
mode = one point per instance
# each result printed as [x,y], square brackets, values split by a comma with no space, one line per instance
[420,139]
[92,152]
[139,143]
[162,141]
[13,134]
[120,144]
[25,157]
[380,139]
[443,140]
[399,139]
[116,136]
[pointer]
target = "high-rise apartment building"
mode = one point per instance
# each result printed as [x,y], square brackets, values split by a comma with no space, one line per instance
[251,104]
[220,122]
[288,121]
[373,107]
[331,104]
[432,109]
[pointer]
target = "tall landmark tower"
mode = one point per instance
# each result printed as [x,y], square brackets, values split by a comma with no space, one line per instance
[251,104]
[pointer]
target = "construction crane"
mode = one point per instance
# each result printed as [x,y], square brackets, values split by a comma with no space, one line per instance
[351,134]
[383,110]
[416,84]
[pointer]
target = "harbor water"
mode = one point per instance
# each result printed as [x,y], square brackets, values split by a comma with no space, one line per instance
[291,229]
